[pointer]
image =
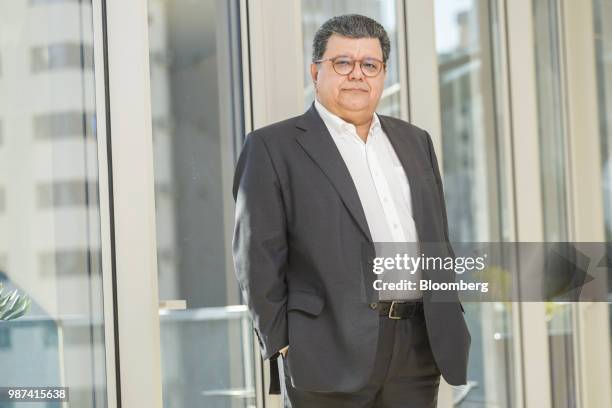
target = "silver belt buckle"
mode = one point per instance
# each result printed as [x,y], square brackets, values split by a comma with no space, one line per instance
[393,303]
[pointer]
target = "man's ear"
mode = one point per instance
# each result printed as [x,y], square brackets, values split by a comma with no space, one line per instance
[314,72]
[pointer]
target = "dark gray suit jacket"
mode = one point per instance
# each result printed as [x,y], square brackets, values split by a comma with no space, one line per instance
[299,243]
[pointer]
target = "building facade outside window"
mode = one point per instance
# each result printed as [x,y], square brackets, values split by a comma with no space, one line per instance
[49,213]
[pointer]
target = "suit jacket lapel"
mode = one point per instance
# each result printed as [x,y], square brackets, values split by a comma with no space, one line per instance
[319,145]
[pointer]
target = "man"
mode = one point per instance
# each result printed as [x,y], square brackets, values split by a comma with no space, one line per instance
[311,193]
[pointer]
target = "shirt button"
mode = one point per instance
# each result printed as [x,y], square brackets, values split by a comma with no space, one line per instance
[373,305]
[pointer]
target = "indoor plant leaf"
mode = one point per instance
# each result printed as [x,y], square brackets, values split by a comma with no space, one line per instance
[13,305]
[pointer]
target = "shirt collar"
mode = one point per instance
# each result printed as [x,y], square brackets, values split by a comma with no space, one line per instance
[339,125]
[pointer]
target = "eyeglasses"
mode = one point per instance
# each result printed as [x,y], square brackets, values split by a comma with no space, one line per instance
[345,65]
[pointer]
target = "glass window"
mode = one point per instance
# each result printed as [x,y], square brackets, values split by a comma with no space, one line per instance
[66,262]
[67,194]
[198,126]
[5,338]
[60,340]
[550,119]
[468,49]
[74,124]
[553,165]
[602,13]
[316,12]
[61,56]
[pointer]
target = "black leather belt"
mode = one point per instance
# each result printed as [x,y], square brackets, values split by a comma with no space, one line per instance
[399,309]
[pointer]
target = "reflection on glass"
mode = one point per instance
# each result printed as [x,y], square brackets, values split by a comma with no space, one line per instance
[316,12]
[554,190]
[550,120]
[49,209]
[468,47]
[602,13]
[207,357]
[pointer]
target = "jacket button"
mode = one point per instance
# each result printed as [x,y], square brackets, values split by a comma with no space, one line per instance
[373,305]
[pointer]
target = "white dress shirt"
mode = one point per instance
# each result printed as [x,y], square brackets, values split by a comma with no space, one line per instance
[383,190]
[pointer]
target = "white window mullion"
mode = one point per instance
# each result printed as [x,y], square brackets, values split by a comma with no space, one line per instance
[133,200]
[591,321]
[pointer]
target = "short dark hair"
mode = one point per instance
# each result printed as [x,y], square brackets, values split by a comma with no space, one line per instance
[352,26]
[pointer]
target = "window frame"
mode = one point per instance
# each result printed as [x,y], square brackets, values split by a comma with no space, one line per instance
[271,32]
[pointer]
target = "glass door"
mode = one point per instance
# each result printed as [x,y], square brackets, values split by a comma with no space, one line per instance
[472,114]
[53,281]
[197,110]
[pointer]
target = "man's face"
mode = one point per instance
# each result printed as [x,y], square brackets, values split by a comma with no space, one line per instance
[355,95]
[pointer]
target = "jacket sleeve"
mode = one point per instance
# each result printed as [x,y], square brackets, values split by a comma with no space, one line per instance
[259,244]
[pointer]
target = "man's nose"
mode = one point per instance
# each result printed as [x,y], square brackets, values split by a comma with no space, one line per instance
[356,73]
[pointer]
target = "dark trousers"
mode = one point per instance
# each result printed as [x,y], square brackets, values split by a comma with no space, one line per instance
[405,374]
